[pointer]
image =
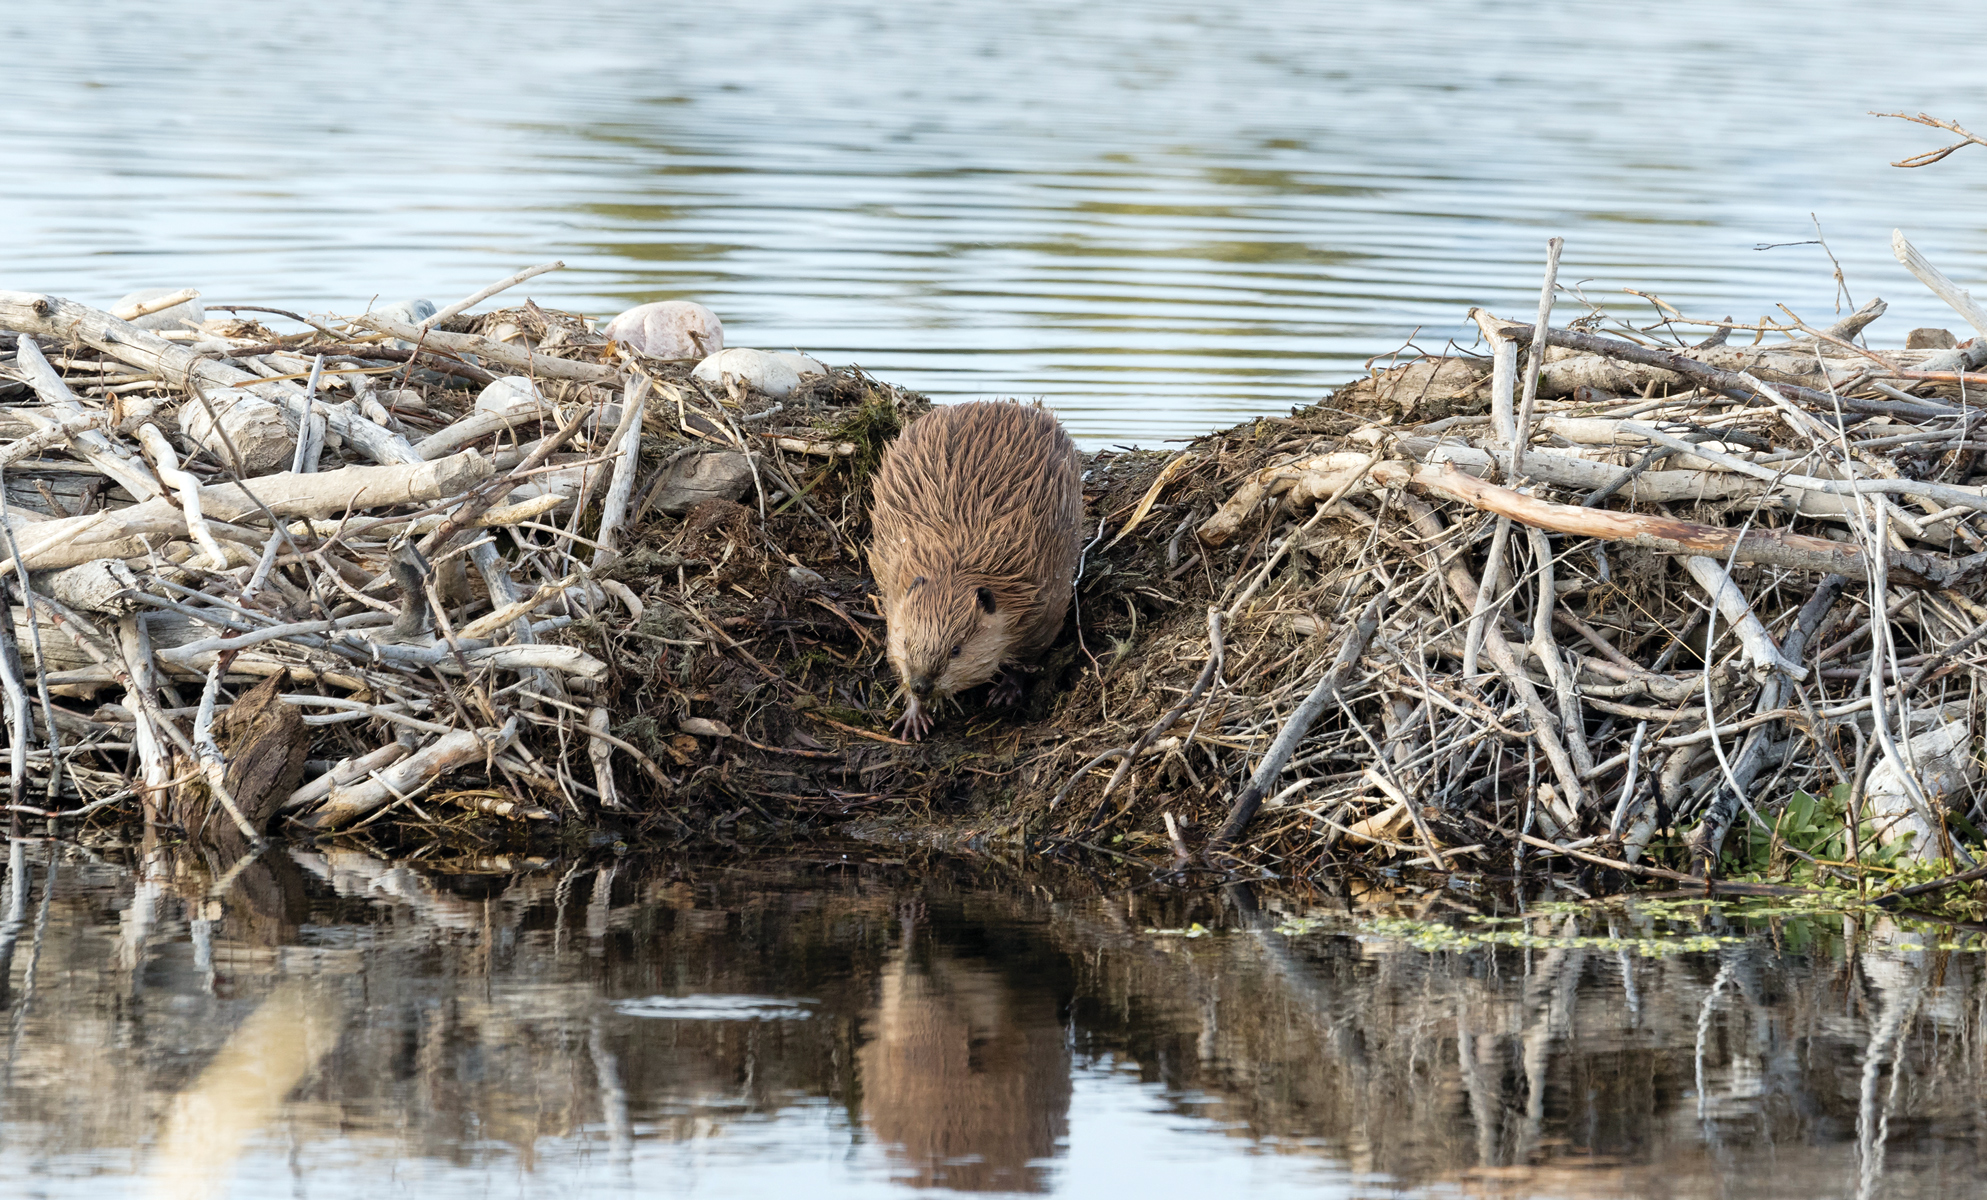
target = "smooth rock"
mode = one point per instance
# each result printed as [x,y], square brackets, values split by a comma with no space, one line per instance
[711,475]
[254,427]
[508,394]
[411,312]
[804,365]
[1930,338]
[668,329]
[1942,758]
[165,318]
[755,369]
[806,579]
[407,312]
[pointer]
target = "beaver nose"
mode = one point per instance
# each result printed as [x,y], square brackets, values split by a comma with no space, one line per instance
[921,688]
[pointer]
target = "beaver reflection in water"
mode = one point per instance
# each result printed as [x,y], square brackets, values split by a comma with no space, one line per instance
[977,522]
[965,1078]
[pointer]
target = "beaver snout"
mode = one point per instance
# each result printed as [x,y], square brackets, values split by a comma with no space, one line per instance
[923,686]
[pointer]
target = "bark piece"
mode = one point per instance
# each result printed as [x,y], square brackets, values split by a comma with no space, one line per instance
[712,475]
[251,424]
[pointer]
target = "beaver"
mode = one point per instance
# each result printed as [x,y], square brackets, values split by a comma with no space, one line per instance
[977,532]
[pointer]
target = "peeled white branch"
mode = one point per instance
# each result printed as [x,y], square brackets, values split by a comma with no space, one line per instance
[115,533]
[1959,298]
[1760,649]
[601,752]
[66,320]
[91,444]
[348,770]
[491,350]
[627,452]
[186,487]
[467,303]
[145,308]
[450,438]
[349,802]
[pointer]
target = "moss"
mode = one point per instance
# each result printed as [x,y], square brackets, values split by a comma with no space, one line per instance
[870,427]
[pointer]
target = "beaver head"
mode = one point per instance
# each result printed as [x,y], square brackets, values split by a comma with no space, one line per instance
[946,635]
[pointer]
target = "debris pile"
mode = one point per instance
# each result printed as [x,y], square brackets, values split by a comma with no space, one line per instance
[1651,598]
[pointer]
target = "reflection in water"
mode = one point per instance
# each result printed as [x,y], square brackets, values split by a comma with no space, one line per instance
[319,1023]
[965,1079]
[241,1091]
[1163,215]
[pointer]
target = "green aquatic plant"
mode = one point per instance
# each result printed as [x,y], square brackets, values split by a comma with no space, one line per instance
[1818,827]
[1433,935]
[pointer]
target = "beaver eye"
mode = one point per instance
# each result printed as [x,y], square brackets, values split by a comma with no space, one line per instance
[956,650]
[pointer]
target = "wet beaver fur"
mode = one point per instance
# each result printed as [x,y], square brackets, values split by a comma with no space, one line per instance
[977,531]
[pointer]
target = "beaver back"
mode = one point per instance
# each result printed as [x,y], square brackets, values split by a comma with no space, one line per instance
[989,493]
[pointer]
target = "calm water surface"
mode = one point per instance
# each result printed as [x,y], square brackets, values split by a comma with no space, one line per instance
[1163,215]
[322,1024]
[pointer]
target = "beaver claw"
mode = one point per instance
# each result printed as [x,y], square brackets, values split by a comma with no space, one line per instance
[914,724]
[1007,689]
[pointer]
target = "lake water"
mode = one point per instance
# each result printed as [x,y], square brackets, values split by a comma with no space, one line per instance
[322,1024]
[1163,217]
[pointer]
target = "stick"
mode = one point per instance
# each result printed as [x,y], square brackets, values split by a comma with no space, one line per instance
[1928,157]
[92,445]
[601,752]
[1959,298]
[186,486]
[1759,647]
[1285,745]
[1536,361]
[212,765]
[1670,536]
[348,803]
[68,321]
[1670,360]
[145,308]
[348,770]
[461,306]
[541,366]
[1503,382]
[621,488]
[450,438]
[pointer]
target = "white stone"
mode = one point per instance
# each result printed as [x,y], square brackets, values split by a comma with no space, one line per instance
[754,368]
[254,427]
[804,365]
[509,393]
[669,329]
[165,318]
[1942,761]
[410,312]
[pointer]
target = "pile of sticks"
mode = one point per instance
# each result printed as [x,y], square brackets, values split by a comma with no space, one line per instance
[1664,584]
[254,576]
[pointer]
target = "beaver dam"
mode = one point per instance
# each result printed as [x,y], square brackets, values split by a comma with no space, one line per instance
[1637,595]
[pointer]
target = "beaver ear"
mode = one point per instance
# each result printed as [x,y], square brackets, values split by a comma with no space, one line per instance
[986,598]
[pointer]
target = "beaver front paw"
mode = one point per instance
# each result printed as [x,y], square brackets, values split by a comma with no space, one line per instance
[1007,689]
[914,724]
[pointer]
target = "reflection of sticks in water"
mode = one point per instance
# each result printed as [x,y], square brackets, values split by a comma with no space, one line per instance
[1550,994]
[965,1080]
[241,1090]
[17,911]
[28,976]
[1886,1044]
[613,1097]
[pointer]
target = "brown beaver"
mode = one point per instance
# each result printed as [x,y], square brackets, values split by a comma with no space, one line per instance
[977,534]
